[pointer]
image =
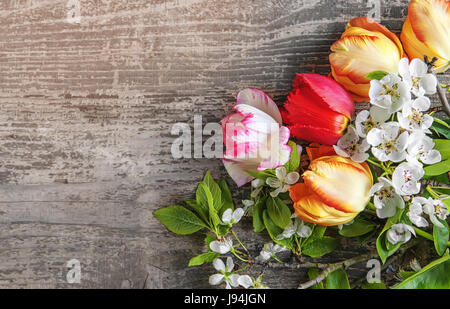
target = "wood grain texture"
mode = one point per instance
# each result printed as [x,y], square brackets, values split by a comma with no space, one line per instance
[85,116]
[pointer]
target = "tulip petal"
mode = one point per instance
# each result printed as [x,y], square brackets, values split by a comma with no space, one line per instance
[259,100]
[332,181]
[237,172]
[326,92]
[315,151]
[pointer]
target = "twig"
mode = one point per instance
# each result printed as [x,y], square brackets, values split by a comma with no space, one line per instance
[440,90]
[340,265]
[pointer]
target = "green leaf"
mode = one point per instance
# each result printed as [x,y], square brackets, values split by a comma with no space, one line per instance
[441,127]
[313,273]
[317,233]
[320,247]
[337,280]
[373,286]
[406,274]
[433,276]
[275,230]
[443,145]
[279,212]
[258,221]
[440,236]
[208,239]
[262,175]
[443,178]
[215,191]
[438,168]
[357,228]
[179,220]
[294,161]
[227,199]
[214,217]
[382,249]
[203,258]
[199,209]
[378,75]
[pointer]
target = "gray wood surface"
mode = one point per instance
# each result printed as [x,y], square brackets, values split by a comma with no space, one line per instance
[85,116]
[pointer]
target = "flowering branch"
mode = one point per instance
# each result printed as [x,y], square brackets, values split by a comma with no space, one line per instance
[440,90]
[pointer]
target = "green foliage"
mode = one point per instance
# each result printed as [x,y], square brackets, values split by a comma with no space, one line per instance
[373,286]
[440,236]
[319,247]
[294,161]
[203,258]
[337,280]
[179,220]
[358,228]
[384,247]
[441,127]
[433,276]
[278,211]
[275,230]
[378,75]
[258,220]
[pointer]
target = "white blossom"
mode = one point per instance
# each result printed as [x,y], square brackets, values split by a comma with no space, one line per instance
[269,250]
[257,185]
[416,213]
[349,146]
[226,274]
[436,209]
[406,178]
[246,281]
[221,246]
[389,93]
[248,204]
[413,117]
[416,75]
[230,217]
[296,226]
[283,181]
[400,233]
[385,199]
[367,120]
[388,142]
[420,147]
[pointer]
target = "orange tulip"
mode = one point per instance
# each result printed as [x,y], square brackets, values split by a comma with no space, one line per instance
[363,48]
[426,31]
[334,191]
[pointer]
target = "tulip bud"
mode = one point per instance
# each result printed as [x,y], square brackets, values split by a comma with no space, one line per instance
[254,137]
[318,109]
[334,191]
[426,32]
[363,48]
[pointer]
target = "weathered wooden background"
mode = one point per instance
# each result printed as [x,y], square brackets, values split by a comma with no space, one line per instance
[85,116]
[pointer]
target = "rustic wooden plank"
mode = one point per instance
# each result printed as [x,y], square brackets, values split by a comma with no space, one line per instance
[85,116]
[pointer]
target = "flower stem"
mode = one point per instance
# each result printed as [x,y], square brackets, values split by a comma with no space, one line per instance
[426,235]
[242,245]
[432,192]
[238,256]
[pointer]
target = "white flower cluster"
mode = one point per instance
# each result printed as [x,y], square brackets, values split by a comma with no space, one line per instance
[228,275]
[403,141]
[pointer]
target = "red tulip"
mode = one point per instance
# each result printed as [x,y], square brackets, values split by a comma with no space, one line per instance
[318,109]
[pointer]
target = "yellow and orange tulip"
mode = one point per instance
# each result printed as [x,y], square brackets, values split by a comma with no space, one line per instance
[426,31]
[334,191]
[363,48]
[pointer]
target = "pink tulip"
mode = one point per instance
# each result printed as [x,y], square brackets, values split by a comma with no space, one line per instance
[254,137]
